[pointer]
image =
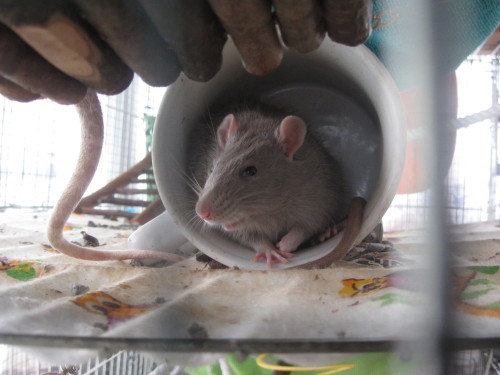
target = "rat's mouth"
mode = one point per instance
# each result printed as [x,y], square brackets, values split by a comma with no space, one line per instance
[234,225]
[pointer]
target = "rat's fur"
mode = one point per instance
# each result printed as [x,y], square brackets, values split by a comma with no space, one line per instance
[285,193]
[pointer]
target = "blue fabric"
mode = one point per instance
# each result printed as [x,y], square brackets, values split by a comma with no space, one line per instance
[468,24]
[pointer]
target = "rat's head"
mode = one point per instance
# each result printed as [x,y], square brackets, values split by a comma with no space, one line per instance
[247,179]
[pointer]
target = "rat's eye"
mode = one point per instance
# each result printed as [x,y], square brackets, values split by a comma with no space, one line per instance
[248,171]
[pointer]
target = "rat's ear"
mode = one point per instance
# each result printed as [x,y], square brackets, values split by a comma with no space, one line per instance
[291,134]
[226,130]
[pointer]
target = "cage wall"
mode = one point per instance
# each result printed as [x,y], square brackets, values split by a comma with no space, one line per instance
[39,144]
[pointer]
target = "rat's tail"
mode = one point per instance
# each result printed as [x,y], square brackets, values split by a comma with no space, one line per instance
[351,232]
[92,126]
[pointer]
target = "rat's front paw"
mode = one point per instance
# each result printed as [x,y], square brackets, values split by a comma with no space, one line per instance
[272,255]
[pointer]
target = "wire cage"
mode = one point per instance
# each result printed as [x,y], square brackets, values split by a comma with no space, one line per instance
[472,179]
[16,362]
[33,170]
[470,194]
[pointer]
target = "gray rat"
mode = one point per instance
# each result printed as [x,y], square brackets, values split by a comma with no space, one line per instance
[270,185]
[90,113]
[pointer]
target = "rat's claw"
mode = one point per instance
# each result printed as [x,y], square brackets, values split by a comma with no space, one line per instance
[258,256]
[285,254]
[272,255]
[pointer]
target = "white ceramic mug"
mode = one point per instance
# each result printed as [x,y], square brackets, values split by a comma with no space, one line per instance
[316,86]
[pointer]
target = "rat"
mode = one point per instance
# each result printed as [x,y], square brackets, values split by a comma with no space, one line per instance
[92,124]
[269,184]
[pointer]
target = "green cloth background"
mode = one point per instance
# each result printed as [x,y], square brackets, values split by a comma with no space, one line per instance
[466,24]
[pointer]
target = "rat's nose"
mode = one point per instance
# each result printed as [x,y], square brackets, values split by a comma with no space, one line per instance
[204,212]
[206,216]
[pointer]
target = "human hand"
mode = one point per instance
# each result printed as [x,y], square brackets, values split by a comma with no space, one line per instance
[58,48]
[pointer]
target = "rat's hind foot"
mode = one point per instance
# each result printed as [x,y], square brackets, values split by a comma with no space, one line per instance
[331,231]
[271,255]
[291,241]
